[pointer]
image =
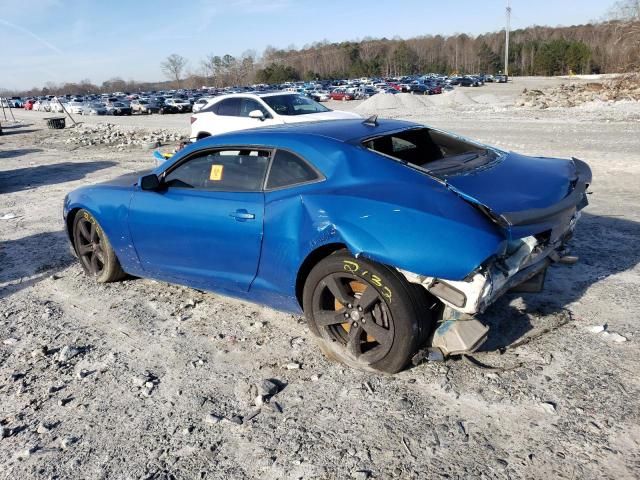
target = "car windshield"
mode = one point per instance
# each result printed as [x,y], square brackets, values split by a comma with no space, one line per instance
[439,153]
[294,105]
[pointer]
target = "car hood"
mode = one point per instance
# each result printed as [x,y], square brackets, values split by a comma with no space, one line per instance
[126,180]
[314,117]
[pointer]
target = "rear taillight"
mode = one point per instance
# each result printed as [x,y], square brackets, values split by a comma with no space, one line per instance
[193,118]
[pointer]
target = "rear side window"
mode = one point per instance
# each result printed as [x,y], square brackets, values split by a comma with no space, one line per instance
[228,108]
[289,169]
[222,170]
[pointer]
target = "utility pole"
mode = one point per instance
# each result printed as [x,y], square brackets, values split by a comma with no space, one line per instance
[506,39]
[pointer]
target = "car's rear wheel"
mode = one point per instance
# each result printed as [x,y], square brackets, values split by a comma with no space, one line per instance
[94,250]
[364,314]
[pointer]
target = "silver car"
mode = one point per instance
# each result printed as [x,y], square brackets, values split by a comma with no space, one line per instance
[94,108]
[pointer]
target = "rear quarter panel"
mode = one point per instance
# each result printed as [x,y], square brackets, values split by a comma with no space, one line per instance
[378,208]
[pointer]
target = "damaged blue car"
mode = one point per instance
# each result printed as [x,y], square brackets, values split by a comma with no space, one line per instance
[389,235]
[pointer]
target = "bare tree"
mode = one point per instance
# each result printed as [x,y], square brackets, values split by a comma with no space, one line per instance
[173,67]
[625,10]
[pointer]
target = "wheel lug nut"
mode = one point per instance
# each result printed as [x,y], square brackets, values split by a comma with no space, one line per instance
[355,324]
[359,308]
[346,314]
[349,306]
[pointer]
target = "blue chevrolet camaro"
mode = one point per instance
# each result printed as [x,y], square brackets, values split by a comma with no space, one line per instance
[389,235]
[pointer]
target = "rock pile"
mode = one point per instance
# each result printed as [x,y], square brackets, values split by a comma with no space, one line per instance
[626,87]
[119,136]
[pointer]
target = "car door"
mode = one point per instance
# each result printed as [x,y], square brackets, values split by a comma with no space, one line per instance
[203,227]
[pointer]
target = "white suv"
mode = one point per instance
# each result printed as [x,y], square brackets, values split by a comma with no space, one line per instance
[242,111]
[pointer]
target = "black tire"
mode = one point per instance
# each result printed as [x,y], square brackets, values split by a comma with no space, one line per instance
[94,250]
[398,314]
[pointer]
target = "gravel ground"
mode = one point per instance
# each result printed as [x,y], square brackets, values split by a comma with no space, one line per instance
[141,379]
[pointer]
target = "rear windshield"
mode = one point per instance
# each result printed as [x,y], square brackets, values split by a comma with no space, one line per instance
[439,153]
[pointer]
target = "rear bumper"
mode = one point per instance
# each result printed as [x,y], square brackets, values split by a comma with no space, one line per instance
[525,259]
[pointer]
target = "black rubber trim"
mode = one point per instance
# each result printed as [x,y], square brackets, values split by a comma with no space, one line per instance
[537,215]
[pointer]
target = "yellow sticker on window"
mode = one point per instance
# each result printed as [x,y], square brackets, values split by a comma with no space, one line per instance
[216,172]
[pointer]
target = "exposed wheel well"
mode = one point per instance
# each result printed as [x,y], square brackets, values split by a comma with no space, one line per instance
[70,218]
[311,261]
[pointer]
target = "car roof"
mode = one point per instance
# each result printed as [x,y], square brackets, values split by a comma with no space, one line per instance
[349,130]
[270,93]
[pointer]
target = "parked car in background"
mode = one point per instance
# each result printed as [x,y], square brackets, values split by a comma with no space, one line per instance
[179,104]
[200,103]
[251,110]
[118,108]
[94,108]
[57,106]
[42,106]
[75,107]
[28,105]
[389,235]
[341,94]
[164,107]
[12,102]
[501,79]
[143,106]
[364,92]
[468,81]
[319,95]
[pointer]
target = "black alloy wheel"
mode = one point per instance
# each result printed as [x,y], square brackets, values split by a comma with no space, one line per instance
[89,246]
[351,312]
[93,248]
[365,314]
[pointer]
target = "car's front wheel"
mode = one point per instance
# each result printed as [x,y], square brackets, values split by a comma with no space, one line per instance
[364,314]
[94,250]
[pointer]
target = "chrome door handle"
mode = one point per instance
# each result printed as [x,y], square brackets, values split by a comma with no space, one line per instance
[242,215]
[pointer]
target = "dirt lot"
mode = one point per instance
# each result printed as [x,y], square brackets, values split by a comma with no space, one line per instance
[142,379]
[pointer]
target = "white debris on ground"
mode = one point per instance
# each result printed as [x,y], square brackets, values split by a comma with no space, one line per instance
[116,135]
[402,103]
[626,87]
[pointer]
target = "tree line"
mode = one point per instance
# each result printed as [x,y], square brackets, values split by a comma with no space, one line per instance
[608,47]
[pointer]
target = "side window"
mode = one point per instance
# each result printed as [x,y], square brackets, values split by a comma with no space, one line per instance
[229,107]
[289,169]
[248,105]
[222,170]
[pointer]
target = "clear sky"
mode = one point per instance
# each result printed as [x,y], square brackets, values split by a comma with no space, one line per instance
[70,40]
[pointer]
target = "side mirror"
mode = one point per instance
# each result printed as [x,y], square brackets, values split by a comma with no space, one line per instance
[149,182]
[256,114]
